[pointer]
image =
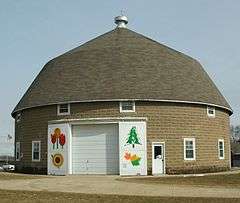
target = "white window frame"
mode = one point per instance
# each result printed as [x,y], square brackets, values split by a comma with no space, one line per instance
[194,149]
[39,142]
[65,113]
[18,117]
[121,105]
[18,147]
[219,156]
[212,108]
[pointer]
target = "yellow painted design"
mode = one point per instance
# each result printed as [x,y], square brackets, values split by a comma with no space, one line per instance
[57,160]
[135,160]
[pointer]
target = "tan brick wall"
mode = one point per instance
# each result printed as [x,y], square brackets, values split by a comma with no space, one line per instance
[167,122]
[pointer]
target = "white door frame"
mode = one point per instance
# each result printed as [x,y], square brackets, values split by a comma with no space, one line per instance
[164,164]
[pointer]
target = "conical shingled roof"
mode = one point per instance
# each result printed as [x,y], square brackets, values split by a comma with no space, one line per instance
[119,65]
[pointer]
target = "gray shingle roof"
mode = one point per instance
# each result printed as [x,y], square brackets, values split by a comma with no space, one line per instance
[118,65]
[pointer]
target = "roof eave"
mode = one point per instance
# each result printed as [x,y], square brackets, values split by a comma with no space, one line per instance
[114,100]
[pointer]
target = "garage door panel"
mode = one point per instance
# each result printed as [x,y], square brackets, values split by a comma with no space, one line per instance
[94,153]
[96,171]
[93,167]
[92,156]
[95,149]
[99,140]
[83,161]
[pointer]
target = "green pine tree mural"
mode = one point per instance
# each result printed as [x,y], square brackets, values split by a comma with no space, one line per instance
[133,137]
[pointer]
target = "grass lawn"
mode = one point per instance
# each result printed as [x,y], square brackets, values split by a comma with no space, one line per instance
[224,180]
[16,176]
[44,196]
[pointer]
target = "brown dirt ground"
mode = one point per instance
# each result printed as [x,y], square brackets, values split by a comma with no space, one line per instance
[7,196]
[17,176]
[76,188]
[223,180]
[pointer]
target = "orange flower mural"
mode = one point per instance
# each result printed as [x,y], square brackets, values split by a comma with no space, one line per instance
[135,160]
[58,138]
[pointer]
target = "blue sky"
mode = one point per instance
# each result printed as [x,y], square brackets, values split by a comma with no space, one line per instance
[33,32]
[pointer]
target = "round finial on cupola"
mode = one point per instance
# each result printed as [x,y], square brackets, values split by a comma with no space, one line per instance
[121,21]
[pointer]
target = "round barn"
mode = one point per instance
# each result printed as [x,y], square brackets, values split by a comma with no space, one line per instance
[122,104]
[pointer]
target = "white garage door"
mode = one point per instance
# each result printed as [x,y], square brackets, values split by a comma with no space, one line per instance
[95,149]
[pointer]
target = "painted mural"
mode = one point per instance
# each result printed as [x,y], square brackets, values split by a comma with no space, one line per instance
[132,148]
[57,149]
[57,160]
[134,159]
[133,137]
[58,138]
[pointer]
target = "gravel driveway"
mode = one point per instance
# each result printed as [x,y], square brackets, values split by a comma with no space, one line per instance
[110,185]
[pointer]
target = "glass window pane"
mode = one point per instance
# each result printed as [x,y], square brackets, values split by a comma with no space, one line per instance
[210,111]
[36,155]
[36,150]
[127,106]
[189,144]
[35,146]
[18,151]
[221,153]
[157,151]
[189,154]
[220,145]
[63,108]
[17,157]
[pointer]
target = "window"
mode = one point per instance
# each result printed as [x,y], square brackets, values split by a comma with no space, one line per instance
[63,109]
[221,149]
[211,111]
[189,149]
[17,151]
[127,106]
[18,117]
[36,150]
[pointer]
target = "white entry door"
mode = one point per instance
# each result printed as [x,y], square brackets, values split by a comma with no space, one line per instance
[157,158]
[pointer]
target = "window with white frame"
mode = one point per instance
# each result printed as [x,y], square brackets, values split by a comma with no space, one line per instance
[127,106]
[189,149]
[18,151]
[63,109]
[36,150]
[211,111]
[221,149]
[18,117]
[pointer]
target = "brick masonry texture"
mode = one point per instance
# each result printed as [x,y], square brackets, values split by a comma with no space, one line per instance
[167,122]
